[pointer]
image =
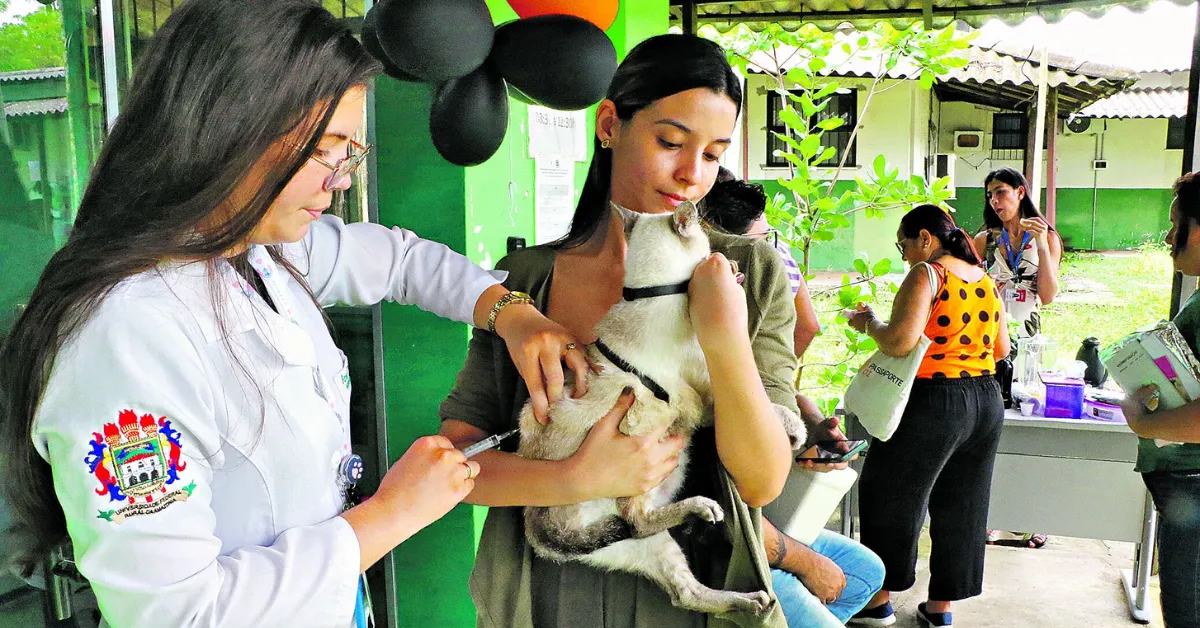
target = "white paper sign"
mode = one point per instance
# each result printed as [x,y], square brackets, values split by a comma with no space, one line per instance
[557,133]
[554,197]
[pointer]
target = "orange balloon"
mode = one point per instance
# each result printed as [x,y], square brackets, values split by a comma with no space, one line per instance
[602,13]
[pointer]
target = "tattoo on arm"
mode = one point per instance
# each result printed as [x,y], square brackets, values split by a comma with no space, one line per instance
[780,550]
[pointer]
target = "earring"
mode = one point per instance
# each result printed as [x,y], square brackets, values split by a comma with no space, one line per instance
[603,143]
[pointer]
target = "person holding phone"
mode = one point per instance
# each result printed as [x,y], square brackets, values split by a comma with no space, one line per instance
[826,583]
[940,458]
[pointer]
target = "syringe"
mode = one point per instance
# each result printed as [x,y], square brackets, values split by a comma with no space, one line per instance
[487,443]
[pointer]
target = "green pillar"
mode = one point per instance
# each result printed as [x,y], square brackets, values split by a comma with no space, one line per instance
[474,211]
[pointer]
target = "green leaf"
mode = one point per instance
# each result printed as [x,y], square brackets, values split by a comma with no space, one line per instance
[879,166]
[860,265]
[800,76]
[837,221]
[826,91]
[789,117]
[817,64]
[787,138]
[829,153]
[882,267]
[917,181]
[926,80]
[810,145]
[823,235]
[829,124]
[939,185]
[807,106]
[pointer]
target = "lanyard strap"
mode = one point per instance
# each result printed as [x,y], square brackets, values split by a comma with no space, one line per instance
[1013,258]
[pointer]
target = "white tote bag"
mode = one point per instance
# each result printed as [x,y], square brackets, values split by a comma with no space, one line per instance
[879,391]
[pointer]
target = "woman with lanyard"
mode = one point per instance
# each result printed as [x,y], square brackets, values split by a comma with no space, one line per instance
[172,399]
[1021,253]
[1022,250]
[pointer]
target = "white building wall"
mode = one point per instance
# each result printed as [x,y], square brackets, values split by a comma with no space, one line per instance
[894,126]
[1135,150]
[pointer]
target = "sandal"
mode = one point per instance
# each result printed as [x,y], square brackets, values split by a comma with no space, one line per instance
[993,536]
[1035,540]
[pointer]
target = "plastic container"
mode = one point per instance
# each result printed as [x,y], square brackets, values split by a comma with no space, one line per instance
[808,500]
[1064,396]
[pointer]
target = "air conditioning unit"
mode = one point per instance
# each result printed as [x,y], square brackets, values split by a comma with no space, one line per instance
[969,141]
[943,166]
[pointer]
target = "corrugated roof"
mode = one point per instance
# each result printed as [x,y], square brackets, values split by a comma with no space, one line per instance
[1168,102]
[863,14]
[33,75]
[1001,76]
[35,107]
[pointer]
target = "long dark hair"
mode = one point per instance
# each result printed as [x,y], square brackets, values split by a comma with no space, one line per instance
[1187,202]
[222,82]
[938,223]
[656,68]
[1014,179]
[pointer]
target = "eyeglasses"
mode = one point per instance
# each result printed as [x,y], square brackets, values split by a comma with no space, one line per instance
[356,154]
[769,233]
[900,246]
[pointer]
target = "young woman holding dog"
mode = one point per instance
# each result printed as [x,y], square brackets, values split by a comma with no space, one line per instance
[669,115]
[940,458]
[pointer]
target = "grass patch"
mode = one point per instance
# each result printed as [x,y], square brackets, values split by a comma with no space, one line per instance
[1101,295]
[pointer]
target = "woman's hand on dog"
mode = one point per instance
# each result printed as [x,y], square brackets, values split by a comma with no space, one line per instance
[717,304]
[539,347]
[612,464]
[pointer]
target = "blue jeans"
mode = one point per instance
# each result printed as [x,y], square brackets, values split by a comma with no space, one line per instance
[1177,498]
[864,577]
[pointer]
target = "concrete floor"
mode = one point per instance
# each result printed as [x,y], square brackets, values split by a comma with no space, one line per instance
[1069,583]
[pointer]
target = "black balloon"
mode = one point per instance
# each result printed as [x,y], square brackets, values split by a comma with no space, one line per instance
[435,40]
[370,41]
[562,61]
[520,96]
[469,117]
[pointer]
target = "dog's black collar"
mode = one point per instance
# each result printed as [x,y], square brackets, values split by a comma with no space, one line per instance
[633,294]
[607,352]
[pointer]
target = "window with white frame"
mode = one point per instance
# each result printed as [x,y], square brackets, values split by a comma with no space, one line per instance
[841,105]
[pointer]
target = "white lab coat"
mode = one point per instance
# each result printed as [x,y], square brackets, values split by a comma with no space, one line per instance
[247,533]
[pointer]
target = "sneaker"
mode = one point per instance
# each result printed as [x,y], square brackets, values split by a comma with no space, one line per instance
[882,615]
[934,620]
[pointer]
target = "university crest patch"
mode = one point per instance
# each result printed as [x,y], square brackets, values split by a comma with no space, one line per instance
[135,461]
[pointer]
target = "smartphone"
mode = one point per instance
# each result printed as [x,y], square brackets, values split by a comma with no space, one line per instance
[830,451]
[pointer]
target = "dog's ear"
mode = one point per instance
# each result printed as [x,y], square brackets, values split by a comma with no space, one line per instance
[686,216]
[628,217]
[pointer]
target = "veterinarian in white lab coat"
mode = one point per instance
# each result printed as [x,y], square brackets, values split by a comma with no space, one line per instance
[173,399]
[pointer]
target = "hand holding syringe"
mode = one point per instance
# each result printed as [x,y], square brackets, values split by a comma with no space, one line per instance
[488,443]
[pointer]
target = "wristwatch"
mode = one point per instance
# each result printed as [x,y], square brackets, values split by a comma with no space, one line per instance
[508,299]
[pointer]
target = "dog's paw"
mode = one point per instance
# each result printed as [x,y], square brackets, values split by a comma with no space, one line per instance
[755,602]
[708,510]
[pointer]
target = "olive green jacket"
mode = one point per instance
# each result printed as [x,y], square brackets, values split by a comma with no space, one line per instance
[513,588]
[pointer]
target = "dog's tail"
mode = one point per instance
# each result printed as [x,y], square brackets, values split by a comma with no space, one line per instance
[551,532]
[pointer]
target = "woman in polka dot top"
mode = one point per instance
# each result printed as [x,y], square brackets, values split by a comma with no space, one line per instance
[940,458]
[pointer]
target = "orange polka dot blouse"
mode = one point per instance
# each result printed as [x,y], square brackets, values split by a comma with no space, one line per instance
[963,326]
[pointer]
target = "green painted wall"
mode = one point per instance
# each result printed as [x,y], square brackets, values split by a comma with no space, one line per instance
[1124,217]
[473,210]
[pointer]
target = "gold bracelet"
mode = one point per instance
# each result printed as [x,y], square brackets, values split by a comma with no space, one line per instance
[507,299]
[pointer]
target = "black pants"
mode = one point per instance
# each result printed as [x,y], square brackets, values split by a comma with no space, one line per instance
[1177,496]
[940,459]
